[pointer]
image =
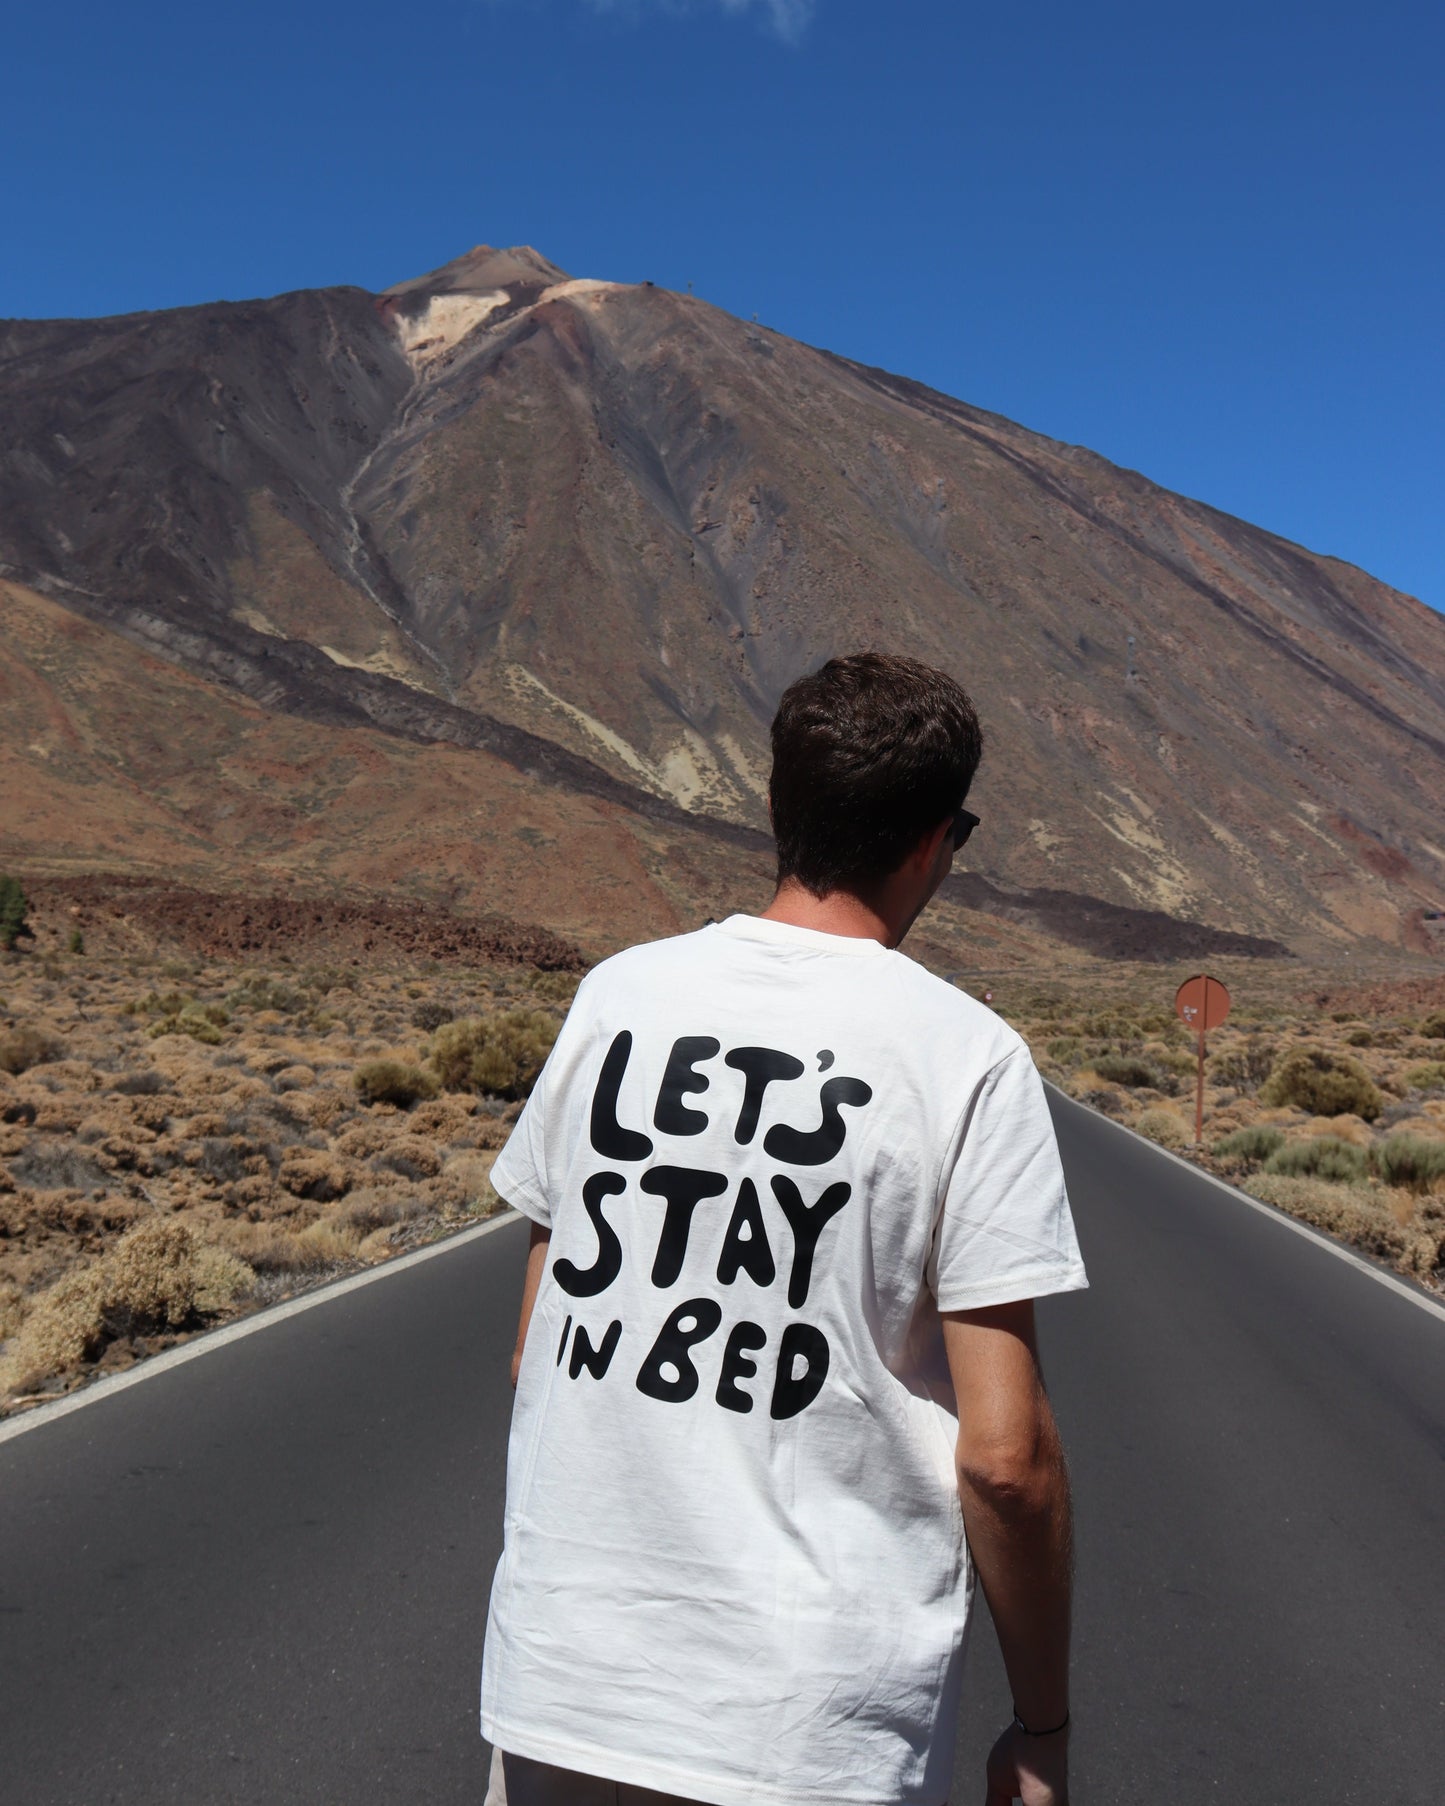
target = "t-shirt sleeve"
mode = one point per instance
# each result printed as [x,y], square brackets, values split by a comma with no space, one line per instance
[1004,1229]
[519,1173]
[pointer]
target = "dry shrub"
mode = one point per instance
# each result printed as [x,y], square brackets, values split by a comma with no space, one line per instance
[321,1107]
[151,1276]
[327,1243]
[393,1082]
[1433,1026]
[1324,1084]
[58,1166]
[221,1278]
[411,1157]
[1361,1214]
[431,1016]
[498,1055]
[360,1140]
[65,1326]
[445,1118]
[1125,1069]
[1164,1126]
[12,1308]
[1343,1128]
[27,1046]
[269,1248]
[471,1174]
[146,1283]
[306,1174]
[373,1207]
[1428,1076]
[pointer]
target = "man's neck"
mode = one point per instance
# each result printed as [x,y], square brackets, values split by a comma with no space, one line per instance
[840,912]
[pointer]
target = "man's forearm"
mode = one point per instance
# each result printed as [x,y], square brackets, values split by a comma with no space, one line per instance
[1020,1529]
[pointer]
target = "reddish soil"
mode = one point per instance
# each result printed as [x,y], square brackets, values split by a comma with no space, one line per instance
[221,926]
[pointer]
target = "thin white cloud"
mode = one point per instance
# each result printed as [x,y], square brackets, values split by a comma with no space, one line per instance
[786,19]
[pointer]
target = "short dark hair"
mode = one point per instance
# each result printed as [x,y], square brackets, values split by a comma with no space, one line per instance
[869,753]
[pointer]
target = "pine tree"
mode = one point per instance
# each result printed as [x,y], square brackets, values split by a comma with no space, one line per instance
[13,908]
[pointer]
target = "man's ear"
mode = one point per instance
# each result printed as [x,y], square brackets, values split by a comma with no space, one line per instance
[925,852]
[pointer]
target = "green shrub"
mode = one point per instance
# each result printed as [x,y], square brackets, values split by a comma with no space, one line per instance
[1359,1037]
[1257,1142]
[14,909]
[1125,1069]
[201,1021]
[1325,1157]
[1064,1047]
[1429,1076]
[1414,1162]
[499,1055]
[393,1082]
[259,992]
[1246,1066]
[24,1047]
[1433,1027]
[431,1016]
[1111,1025]
[158,1003]
[555,987]
[76,943]
[1323,1083]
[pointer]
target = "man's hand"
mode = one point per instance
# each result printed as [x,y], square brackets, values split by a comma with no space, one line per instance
[1032,1769]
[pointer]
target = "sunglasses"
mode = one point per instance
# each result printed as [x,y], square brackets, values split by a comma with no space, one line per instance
[964,823]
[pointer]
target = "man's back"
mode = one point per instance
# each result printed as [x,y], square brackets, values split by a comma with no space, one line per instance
[735,1566]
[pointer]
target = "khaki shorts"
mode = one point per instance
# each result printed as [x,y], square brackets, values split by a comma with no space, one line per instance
[519,1781]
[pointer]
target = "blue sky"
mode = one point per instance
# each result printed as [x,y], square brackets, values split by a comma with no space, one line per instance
[1206,243]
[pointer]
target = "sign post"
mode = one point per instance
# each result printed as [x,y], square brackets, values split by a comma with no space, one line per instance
[1201,1003]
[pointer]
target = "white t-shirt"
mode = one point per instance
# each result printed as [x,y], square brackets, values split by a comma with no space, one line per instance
[734,1564]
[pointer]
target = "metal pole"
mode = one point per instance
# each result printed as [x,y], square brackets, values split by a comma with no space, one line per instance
[1199,1088]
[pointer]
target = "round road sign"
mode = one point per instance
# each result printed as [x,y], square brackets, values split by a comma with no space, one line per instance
[1201,1003]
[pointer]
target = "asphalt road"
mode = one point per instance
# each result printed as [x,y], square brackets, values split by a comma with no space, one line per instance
[261,1576]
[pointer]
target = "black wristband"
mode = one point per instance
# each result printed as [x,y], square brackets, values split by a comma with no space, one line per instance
[1052,1731]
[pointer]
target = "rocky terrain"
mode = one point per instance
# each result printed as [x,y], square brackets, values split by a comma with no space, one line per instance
[486,587]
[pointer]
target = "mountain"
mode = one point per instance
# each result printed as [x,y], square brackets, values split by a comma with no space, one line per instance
[577,536]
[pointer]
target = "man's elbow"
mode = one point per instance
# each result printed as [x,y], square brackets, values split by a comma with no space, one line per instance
[1015,1477]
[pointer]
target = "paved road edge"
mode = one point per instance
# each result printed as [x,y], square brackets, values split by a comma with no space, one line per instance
[1341,1250]
[211,1340]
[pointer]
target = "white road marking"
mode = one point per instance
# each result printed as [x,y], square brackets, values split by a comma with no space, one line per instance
[1317,1236]
[245,1326]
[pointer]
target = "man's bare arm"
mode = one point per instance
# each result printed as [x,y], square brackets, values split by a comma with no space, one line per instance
[531,1285]
[1014,1487]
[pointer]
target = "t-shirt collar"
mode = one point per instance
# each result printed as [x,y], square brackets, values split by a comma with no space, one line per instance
[788,934]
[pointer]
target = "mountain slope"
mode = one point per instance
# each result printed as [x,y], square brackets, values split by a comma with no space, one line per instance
[595,529]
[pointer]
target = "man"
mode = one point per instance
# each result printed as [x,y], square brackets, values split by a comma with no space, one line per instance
[792,1198]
